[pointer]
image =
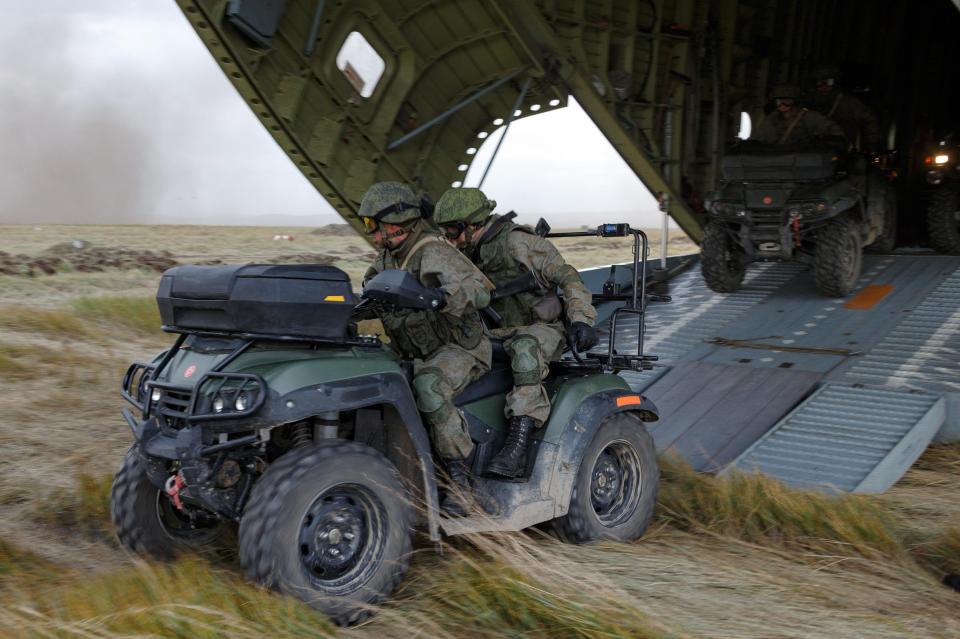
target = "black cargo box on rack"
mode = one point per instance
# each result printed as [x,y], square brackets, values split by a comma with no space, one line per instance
[311,301]
[765,163]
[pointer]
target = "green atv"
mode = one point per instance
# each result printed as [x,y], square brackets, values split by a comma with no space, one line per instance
[271,412]
[799,203]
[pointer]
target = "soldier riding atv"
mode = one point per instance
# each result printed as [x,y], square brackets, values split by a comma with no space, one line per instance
[271,412]
[942,165]
[791,193]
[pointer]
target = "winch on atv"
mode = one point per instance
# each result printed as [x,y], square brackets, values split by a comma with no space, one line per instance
[271,412]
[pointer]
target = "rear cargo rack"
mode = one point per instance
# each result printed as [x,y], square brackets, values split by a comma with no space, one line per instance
[635,304]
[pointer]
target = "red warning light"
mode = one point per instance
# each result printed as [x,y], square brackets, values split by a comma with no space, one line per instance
[767,199]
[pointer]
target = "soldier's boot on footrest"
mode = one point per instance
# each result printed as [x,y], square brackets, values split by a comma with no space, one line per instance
[512,459]
[458,497]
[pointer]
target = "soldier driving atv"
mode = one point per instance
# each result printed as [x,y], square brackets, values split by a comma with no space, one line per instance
[789,123]
[858,122]
[447,345]
[533,318]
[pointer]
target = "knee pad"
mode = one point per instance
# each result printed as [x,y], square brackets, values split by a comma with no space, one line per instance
[429,387]
[525,360]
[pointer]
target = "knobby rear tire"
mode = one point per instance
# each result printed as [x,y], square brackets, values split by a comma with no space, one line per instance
[583,523]
[943,220]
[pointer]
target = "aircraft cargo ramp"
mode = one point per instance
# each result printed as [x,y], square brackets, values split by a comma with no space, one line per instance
[833,393]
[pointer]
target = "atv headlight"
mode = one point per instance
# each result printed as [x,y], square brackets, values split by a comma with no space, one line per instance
[242,402]
[728,209]
[218,404]
[941,158]
[156,395]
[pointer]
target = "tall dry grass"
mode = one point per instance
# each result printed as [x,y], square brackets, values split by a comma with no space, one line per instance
[492,585]
[138,314]
[85,317]
[484,587]
[762,510]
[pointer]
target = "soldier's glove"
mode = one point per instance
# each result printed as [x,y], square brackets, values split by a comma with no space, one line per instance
[583,335]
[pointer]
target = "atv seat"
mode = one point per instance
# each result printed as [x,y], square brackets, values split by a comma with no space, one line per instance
[498,380]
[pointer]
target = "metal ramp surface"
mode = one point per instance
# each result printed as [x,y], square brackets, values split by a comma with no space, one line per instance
[878,372]
[710,414]
[847,438]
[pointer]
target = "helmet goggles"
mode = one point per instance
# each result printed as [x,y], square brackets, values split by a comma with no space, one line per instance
[371,222]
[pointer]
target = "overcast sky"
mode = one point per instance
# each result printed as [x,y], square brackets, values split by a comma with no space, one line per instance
[113,111]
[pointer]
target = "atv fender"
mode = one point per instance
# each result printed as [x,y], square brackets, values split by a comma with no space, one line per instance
[579,432]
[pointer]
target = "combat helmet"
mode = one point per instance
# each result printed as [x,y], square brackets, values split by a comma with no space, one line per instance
[785,91]
[391,202]
[826,73]
[459,208]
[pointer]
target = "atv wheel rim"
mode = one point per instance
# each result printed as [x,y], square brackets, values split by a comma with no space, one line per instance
[849,266]
[615,483]
[192,525]
[341,538]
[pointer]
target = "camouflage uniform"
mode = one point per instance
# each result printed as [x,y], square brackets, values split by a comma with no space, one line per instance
[532,322]
[858,122]
[531,319]
[773,128]
[448,347]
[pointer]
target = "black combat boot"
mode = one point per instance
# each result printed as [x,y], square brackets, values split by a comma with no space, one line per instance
[511,461]
[457,498]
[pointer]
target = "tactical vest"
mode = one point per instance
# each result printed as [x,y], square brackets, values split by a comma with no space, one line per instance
[492,256]
[419,334]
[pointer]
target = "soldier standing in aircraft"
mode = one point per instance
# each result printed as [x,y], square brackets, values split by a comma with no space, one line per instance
[533,317]
[789,123]
[858,122]
[448,346]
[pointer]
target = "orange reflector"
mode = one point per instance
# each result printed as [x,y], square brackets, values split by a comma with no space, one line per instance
[334,298]
[628,400]
[869,297]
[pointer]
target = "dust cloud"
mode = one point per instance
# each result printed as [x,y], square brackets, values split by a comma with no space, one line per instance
[70,151]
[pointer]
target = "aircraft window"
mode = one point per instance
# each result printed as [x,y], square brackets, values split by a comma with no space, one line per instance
[360,63]
[554,102]
[462,167]
[534,107]
[517,113]
[746,125]
[498,122]
[457,184]
[482,135]
[471,150]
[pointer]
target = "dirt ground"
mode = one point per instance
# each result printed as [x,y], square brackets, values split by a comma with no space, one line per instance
[62,353]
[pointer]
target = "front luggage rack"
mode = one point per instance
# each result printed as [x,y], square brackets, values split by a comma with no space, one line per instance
[170,404]
[216,396]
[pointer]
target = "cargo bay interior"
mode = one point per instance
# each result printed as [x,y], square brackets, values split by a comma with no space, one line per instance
[871,378]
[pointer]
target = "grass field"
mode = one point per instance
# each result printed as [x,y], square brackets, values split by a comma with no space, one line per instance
[739,557]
